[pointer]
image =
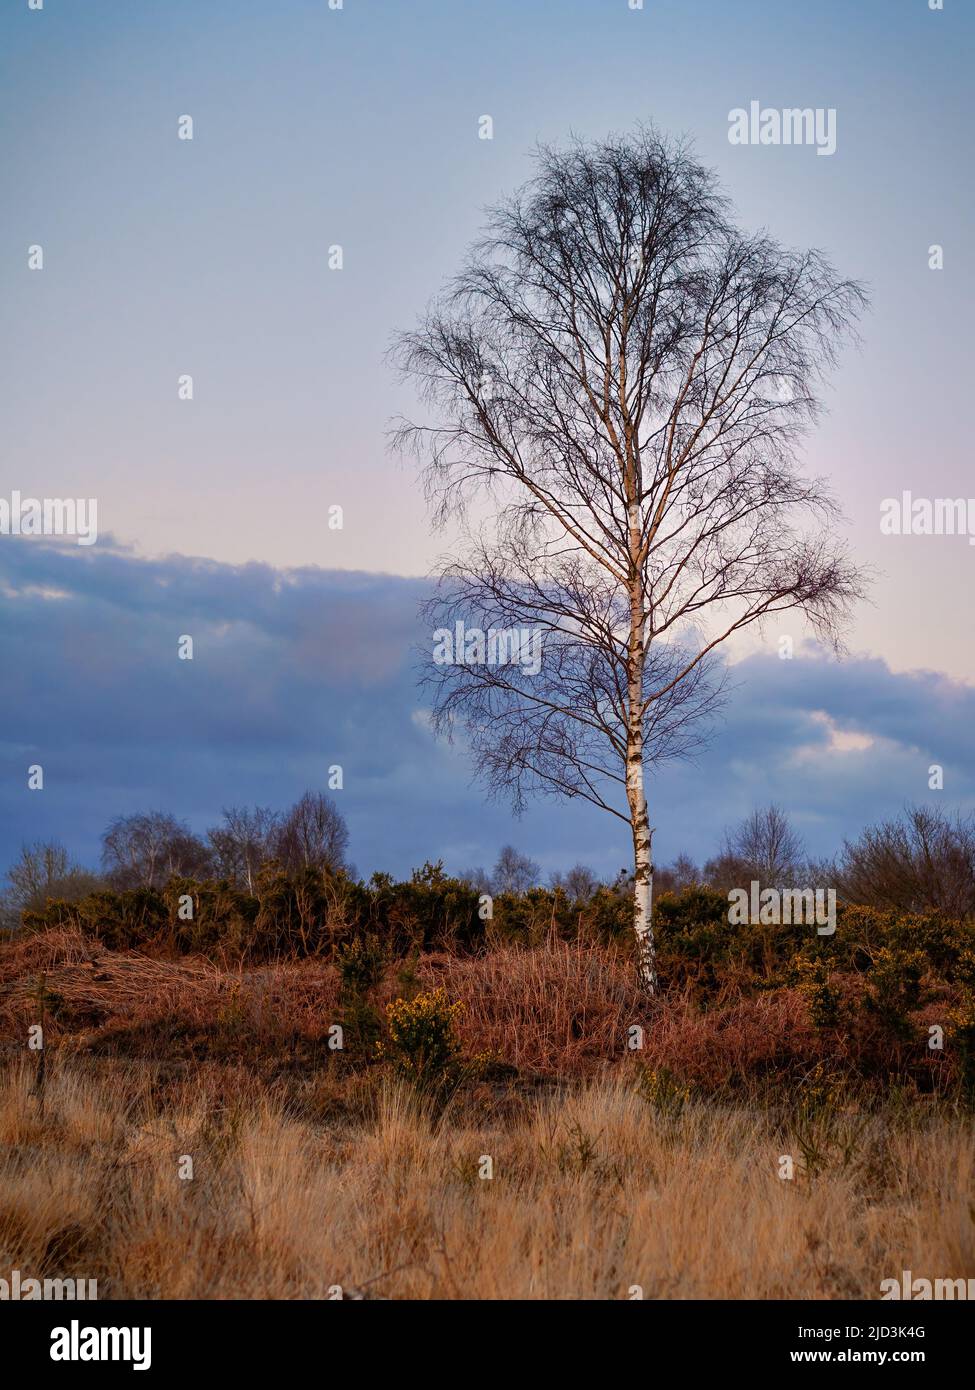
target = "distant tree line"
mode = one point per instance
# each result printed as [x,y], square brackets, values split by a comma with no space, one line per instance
[921,861]
[147,849]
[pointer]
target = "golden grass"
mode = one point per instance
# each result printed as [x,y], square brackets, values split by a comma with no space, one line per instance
[594,1191]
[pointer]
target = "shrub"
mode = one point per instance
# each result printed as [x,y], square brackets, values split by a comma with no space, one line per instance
[663,1092]
[894,989]
[814,984]
[432,912]
[962,1021]
[117,920]
[694,907]
[925,861]
[360,963]
[422,1044]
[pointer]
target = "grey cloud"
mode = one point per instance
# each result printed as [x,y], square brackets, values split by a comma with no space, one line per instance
[297,670]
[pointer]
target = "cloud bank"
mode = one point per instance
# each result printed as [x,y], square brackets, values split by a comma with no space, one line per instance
[297,670]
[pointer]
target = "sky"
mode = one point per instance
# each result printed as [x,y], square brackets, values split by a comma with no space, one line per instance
[358,127]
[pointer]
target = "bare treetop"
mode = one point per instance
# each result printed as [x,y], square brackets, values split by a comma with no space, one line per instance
[614,315]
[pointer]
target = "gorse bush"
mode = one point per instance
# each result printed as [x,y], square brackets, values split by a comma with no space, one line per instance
[894,988]
[422,1045]
[812,975]
[961,1021]
[361,963]
[318,912]
[663,1091]
[870,992]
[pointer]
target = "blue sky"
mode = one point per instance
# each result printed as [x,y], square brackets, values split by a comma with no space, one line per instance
[359,127]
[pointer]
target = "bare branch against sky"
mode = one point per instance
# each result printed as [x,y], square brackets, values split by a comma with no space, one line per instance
[627,376]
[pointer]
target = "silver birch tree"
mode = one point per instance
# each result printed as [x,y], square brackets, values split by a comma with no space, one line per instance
[618,381]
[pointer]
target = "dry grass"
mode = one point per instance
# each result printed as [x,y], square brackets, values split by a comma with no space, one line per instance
[313,1171]
[594,1190]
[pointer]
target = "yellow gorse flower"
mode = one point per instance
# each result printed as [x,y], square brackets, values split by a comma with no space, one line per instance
[421,1033]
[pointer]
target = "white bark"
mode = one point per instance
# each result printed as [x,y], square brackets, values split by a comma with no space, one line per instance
[643,894]
[642,861]
[635,792]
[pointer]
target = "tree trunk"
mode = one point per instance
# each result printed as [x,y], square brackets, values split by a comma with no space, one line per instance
[646,956]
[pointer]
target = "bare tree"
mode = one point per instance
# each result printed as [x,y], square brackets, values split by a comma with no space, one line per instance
[44,870]
[923,862]
[147,849]
[39,865]
[674,878]
[624,376]
[477,878]
[578,884]
[763,847]
[514,872]
[246,840]
[313,835]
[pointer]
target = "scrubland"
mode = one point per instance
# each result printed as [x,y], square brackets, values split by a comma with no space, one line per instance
[507,1118]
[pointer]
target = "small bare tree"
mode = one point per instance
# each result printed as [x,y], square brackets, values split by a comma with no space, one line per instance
[244,842]
[147,849]
[313,835]
[763,847]
[43,871]
[578,885]
[624,377]
[514,872]
[40,866]
[922,862]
